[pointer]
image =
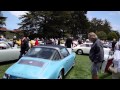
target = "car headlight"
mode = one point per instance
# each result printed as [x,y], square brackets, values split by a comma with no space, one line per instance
[6,76]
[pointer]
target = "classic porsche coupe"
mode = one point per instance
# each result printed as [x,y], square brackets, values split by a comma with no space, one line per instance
[43,62]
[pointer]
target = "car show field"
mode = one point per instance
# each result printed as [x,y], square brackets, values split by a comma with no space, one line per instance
[59,45]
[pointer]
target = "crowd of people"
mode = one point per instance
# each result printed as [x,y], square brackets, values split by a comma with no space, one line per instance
[96,54]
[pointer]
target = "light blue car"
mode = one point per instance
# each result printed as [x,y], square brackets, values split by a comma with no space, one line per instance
[43,62]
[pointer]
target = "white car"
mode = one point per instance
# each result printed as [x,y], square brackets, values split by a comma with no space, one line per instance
[8,53]
[85,48]
[82,48]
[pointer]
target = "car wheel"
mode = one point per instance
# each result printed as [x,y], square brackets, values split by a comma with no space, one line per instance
[61,75]
[79,52]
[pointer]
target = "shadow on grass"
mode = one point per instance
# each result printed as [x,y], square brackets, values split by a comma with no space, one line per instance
[83,54]
[8,62]
[105,76]
[65,77]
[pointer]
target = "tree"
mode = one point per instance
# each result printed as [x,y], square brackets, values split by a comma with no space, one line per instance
[97,25]
[117,33]
[50,23]
[2,19]
[79,23]
[19,34]
[112,35]
[106,26]
[102,35]
[39,21]
[59,20]
[9,34]
[2,22]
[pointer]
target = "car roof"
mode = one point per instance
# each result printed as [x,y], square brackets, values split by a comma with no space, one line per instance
[52,46]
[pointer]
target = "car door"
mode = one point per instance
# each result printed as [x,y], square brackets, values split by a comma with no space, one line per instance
[15,53]
[7,53]
[67,59]
[87,48]
[4,52]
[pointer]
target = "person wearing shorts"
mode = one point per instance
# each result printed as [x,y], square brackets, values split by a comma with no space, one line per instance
[95,68]
[96,54]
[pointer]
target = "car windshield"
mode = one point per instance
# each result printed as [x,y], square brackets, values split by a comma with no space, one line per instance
[41,52]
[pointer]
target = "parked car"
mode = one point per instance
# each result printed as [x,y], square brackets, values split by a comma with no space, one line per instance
[8,53]
[43,62]
[82,48]
[85,48]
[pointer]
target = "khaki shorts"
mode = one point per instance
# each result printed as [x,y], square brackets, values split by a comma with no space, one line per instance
[95,68]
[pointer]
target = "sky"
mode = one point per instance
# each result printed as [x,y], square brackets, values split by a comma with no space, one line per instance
[12,18]
[112,16]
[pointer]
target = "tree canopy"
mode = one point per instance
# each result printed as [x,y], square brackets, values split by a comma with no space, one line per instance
[112,35]
[102,35]
[55,23]
[97,25]
[62,23]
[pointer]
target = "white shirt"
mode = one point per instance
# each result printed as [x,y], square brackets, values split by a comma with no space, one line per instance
[116,59]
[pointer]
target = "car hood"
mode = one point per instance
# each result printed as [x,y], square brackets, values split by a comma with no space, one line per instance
[27,67]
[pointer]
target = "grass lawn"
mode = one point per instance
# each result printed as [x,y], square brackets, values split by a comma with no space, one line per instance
[3,68]
[80,71]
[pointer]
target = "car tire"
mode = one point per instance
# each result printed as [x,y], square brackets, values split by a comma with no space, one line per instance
[79,52]
[61,75]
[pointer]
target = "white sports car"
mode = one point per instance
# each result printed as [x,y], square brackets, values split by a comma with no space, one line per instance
[8,53]
[82,48]
[85,48]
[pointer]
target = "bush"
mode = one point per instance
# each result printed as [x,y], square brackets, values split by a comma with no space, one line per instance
[102,35]
[112,35]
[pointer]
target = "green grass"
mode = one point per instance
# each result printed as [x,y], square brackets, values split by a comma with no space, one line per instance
[80,71]
[3,68]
